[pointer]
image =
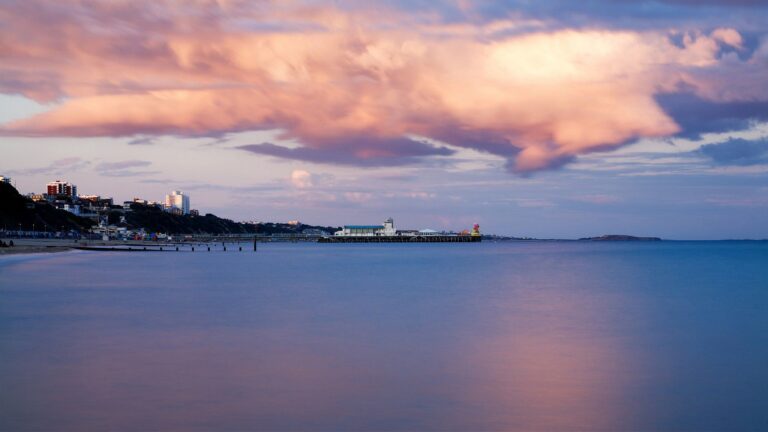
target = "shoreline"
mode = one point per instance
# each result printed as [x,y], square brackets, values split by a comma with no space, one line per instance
[29,249]
[45,246]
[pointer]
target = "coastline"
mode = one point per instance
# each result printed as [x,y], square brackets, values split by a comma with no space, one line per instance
[43,246]
[46,246]
[31,249]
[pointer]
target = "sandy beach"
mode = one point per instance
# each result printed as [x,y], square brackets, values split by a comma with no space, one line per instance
[27,249]
[28,246]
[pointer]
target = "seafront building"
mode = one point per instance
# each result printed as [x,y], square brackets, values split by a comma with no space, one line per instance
[96,202]
[177,202]
[127,204]
[61,188]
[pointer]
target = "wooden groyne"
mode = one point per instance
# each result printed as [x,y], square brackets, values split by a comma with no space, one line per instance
[402,239]
[122,249]
[167,248]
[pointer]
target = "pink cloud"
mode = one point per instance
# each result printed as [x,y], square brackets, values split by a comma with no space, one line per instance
[350,87]
[301,179]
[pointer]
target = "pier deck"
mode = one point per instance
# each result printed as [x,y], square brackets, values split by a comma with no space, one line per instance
[401,239]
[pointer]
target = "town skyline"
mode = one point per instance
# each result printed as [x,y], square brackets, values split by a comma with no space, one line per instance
[553,120]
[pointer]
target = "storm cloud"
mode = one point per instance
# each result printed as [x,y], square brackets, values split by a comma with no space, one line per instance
[354,84]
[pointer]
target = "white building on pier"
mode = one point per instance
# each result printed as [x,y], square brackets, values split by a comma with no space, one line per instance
[387,229]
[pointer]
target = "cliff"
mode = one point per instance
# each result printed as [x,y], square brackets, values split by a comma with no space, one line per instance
[153,219]
[17,210]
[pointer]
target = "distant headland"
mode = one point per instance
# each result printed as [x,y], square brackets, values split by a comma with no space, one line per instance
[619,237]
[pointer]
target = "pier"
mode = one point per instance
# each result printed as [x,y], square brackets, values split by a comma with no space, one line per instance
[386,233]
[402,239]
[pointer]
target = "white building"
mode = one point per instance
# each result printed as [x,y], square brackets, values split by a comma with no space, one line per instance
[177,200]
[74,209]
[4,179]
[388,229]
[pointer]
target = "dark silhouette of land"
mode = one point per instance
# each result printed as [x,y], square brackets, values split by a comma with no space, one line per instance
[18,212]
[619,237]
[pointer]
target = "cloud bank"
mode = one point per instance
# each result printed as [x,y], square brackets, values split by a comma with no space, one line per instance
[357,85]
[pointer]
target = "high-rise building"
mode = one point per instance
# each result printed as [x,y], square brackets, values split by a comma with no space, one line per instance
[177,200]
[58,188]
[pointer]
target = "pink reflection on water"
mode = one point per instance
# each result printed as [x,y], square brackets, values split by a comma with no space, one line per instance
[552,358]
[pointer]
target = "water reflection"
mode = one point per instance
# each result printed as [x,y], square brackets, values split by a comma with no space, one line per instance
[556,366]
[500,339]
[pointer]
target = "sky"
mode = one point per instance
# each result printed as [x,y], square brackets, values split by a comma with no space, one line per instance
[548,119]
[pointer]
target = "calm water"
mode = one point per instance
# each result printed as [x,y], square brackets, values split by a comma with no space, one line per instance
[517,336]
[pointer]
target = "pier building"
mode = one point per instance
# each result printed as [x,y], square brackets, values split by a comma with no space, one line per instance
[387,229]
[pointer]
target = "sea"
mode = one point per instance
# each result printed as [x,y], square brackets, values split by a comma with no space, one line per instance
[507,336]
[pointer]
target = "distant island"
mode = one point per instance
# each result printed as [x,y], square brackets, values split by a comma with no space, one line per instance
[619,237]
